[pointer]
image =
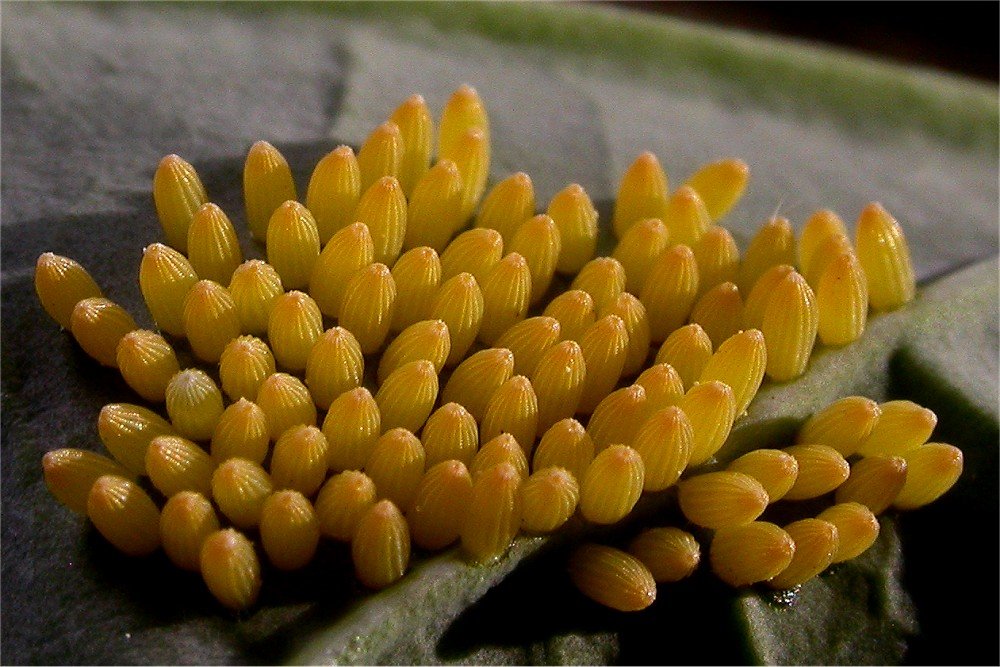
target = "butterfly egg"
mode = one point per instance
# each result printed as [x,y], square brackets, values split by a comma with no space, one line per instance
[842,425]
[749,553]
[612,577]
[717,257]
[293,328]
[344,498]
[471,154]
[669,291]
[245,363]
[759,297]
[816,545]
[474,251]
[548,499]
[932,469]
[720,185]
[574,310]
[428,340]
[267,184]
[512,409]
[507,205]
[407,396]
[416,129]
[566,444]
[69,474]
[299,460]
[177,194]
[604,346]
[435,209]
[687,350]
[194,404]
[476,379]
[790,325]
[558,381]
[333,191]
[395,465]
[719,312]
[857,529]
[740,362]
[380,155]
[506,294]
[242,432]
[165,277]
[463,111]
[639,249]
[147,362]
[528,340]
[98,325]
[664,442]
[230,569]
[351,426]
[576,219]
[380,547]
[820,226]
[642,193]
[901,427]
[210,320]
[875,481]
[772,245]
[254,287]
[292,244]
[383,209]
[685,216]
[126,431]
[885,258]
[124,514]
[502,448]
[239,489]
[831,249]
[633,314]
[450,433]
[493,514]
[459,303]
[663,386]
[842,301]
[417,274]
[603,278]
[720,499]
[286,402]
[186,520]
[671,554]
[349,250]
[334,365]
[213,248]
[440,504]
[367,309]
[821,470]
[176,464]
[289,530]
[618,417]
[711,407]
[60,284]
[538,241]
[611,485]
[774,469]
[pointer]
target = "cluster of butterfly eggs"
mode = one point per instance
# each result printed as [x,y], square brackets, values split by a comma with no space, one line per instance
[387,206]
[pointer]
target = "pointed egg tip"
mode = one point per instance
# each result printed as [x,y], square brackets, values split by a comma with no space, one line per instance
[388,128]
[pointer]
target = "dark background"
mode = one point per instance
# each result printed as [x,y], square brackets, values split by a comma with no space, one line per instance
[960,37]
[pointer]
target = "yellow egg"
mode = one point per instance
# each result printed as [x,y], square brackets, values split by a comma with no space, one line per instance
[267,183]
[334,190]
